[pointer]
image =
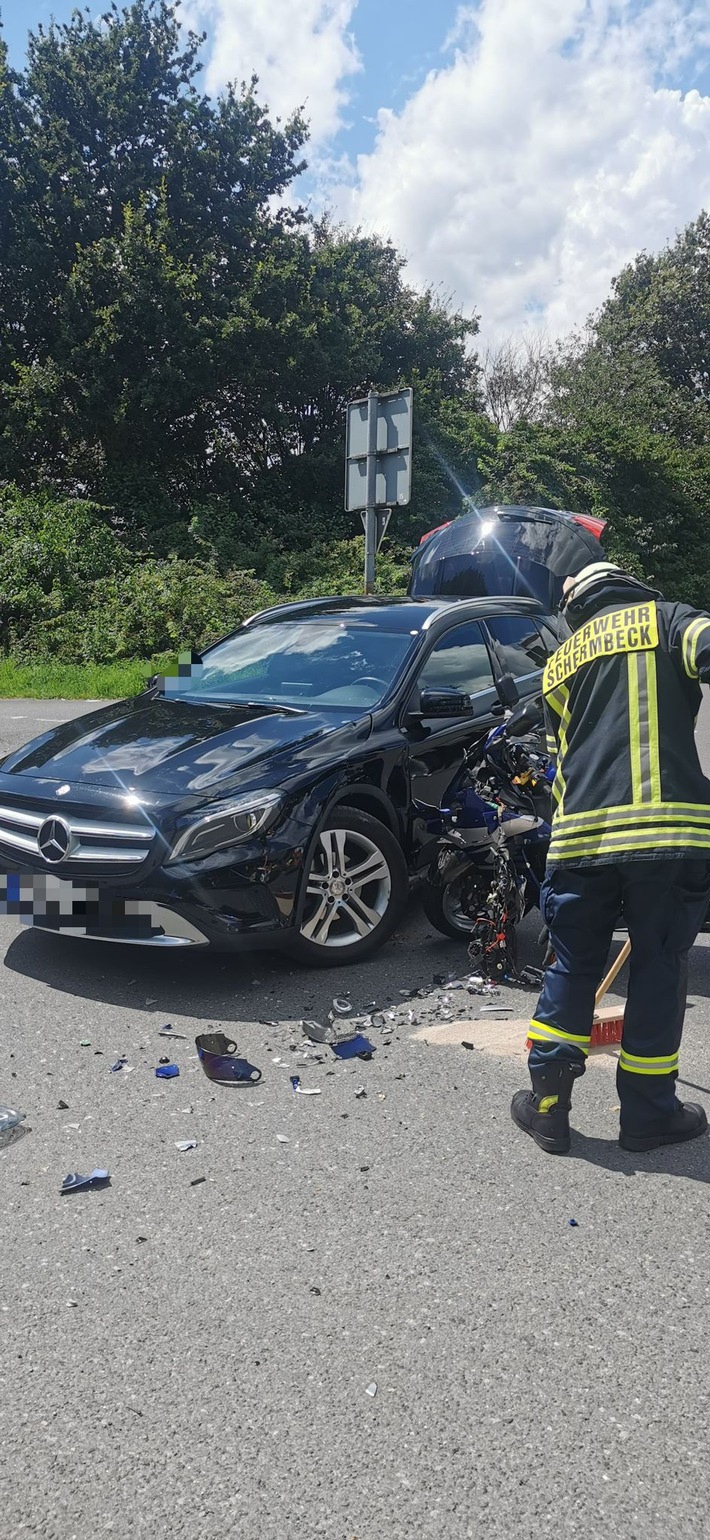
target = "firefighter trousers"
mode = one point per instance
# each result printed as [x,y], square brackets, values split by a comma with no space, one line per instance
[663,903]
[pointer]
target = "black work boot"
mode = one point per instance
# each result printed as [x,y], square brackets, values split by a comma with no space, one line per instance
[688,1121]
[544,1112]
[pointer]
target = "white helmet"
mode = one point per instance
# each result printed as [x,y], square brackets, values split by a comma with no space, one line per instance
[598,572]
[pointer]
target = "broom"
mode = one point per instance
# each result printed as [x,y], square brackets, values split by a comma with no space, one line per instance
[608,1024]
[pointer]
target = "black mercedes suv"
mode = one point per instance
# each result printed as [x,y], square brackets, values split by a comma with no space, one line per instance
[272,792]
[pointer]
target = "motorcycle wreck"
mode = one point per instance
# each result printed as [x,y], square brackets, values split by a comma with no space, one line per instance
[493,838]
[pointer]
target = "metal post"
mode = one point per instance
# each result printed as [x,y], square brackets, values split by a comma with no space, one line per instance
[371,509]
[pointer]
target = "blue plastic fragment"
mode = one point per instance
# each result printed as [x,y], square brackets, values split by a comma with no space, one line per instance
[295,1081]
[118,1065]
[357,1047]
[73,1182]
[573,1223]
[167,1071]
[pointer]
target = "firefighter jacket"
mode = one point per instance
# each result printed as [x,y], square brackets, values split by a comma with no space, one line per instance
[621,697]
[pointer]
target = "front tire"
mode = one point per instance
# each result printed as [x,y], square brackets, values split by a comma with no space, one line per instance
[443,909]
[355,890]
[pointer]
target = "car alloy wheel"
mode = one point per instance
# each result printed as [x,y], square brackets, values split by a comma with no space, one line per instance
[355,888]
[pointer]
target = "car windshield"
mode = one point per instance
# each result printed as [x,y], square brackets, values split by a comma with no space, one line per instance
[299,663]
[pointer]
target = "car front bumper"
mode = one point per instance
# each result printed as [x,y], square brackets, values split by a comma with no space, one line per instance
[225,902]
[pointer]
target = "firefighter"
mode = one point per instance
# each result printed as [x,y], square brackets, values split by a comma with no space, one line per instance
[630,841]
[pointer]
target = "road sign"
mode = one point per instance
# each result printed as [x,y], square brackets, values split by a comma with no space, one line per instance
[387,438]
[378,465]
[382,518]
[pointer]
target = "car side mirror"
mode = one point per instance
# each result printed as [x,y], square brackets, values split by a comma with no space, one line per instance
[525,718]
[507,691]
[445,703]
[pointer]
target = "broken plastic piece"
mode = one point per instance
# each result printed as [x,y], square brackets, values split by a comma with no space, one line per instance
[167,1031]
[185,1144]
[10,1118]
[197,1181]
[281,1139]
[342,1006]
[217,1056]
[371,1389]
[73,1182]
[467,1045]
[85,1042]
[573,1223]
[360,1091]
[118,1065]
[357,1047]
[167,1071]
[303,1090]
[295,1081]
[315,1031]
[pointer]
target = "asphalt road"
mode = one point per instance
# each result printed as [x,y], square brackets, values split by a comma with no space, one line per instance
[192,1360]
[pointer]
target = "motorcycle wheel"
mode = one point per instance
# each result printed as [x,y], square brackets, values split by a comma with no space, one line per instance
[442,907]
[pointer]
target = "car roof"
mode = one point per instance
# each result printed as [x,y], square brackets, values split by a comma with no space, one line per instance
[396,614]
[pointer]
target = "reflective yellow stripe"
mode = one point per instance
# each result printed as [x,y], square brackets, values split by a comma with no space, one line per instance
[602,817]
[542,1032]
[654,754]
[550,744]
[694,649]
[690,644]
[685,645]
[645,836]
[632,674]
[636,1064]
[626,844]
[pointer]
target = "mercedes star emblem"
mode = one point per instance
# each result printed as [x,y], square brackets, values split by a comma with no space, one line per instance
[54,840]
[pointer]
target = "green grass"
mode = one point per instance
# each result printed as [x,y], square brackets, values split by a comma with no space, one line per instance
[72,681]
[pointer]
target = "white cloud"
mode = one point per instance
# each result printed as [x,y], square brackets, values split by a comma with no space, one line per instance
[302,51]
[553,146]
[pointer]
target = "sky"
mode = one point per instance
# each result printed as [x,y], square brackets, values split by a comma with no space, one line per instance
[518,152]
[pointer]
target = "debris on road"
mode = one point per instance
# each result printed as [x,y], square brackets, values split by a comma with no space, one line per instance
[167,1071]
[303,1090]
[217,1055]
[360,1092]
[85,1042]
[168,1031]
[118,1065]
[357,1047]
[371,1389]
[281,1139]
[73,1182]
[185,1144]
[342,1006]
[573,1223]
[465,1044]
[197,1181]
[10,1118]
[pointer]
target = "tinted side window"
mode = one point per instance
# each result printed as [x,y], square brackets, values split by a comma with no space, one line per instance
[459,661]
[520,644]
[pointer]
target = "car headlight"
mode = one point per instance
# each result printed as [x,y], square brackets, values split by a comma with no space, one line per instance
[227,825]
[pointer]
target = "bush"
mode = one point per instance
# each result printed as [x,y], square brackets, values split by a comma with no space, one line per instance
[156,607]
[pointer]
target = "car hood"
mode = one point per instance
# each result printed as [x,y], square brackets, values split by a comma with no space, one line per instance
[170,748]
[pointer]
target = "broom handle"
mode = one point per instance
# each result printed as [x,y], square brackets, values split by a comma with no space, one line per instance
[615,968]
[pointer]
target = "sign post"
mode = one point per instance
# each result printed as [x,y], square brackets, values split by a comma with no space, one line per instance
[378,465]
